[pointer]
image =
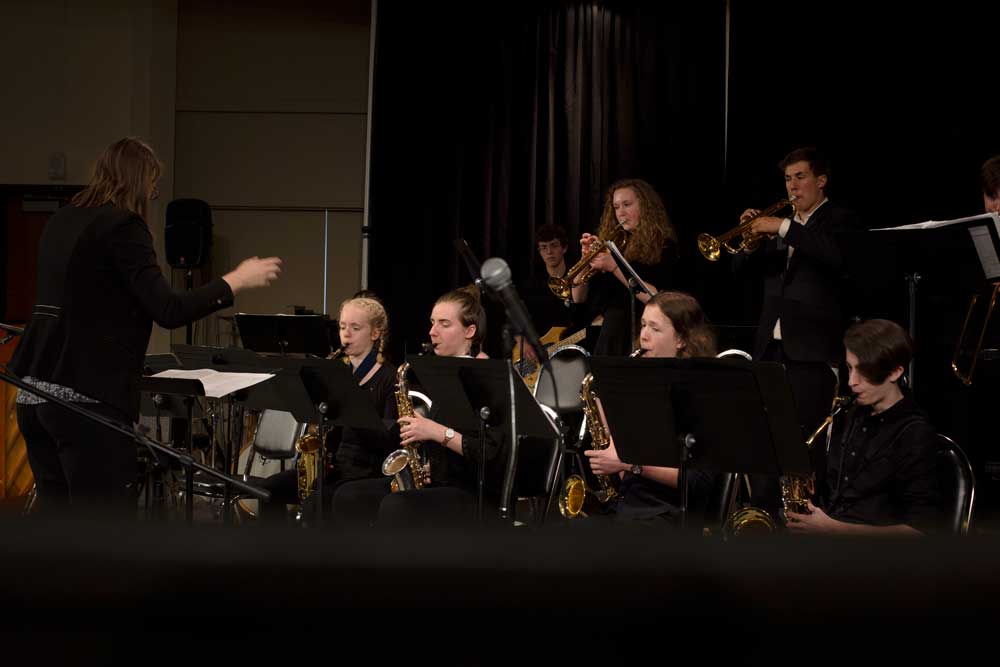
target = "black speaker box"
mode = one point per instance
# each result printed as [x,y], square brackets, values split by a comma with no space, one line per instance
[188,233]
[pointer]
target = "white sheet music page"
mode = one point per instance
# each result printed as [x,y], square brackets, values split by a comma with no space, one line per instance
[934,224]
[217,384]
[986,251]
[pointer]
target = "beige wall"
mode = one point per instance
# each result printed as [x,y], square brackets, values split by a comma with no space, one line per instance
[78,76]
[258,108]
[270,131]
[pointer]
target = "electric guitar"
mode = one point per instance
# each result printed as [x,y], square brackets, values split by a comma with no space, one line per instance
[528,368]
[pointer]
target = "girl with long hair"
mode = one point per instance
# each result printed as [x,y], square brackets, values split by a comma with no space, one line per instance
[633,205]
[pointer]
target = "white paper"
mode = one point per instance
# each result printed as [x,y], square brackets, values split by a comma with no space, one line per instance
[987,253]
[934,224]
[217,384]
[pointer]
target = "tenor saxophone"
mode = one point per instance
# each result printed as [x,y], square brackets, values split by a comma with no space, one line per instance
[405,465]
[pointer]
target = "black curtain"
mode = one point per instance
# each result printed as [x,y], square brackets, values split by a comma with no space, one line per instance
[526,117]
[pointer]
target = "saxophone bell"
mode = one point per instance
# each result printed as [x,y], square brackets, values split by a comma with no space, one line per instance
[576,496]
[405,465]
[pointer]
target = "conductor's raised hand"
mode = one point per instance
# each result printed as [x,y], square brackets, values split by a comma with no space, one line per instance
[254,272]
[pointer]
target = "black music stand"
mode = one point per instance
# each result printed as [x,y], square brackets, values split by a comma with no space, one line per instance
[941,257]
[721,415]
[229,360]
[284,334]
[635,285]
[336,397]
[472,394]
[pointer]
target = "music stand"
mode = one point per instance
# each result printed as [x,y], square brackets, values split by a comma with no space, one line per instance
[950,256]
[635,285]
[477,394]
[284,334]
[722,415]
[336,397]
[228,360]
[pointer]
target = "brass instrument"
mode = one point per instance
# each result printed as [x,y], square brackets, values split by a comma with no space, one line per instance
[748,520]
[405,465]
[581,272]
[575,492]
[966,378]
[711,246]
[339,354]
[796,490]
[307,465]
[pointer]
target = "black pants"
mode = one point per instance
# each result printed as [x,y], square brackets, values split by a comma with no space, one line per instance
[813,385]
[369,502]
[77,463]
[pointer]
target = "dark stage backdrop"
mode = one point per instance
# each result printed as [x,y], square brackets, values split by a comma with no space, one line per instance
[491,119]
[525,117]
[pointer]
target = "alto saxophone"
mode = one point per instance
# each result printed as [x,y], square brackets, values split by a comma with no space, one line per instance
[796,490]
[405,465]
[307,446]
[575,492]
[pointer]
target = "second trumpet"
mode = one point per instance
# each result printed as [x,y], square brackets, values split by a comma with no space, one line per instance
[581,272]
[749,240]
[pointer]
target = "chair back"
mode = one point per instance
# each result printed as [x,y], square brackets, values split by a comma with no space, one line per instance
[422,403]
[570,365]
[958,485]
[733,352]
[277,433]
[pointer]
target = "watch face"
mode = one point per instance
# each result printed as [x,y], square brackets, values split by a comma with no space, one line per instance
[636,469]
[449,433]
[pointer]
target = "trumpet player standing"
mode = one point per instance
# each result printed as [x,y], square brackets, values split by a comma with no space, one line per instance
[802,317]
[631,205]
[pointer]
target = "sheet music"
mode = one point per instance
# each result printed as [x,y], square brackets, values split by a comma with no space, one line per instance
[217,384]
[934,224]
[984,248]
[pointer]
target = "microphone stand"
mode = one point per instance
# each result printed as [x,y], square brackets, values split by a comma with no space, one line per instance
[508,482]
[156,448]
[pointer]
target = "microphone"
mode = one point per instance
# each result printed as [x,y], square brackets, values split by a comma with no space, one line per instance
[496,275]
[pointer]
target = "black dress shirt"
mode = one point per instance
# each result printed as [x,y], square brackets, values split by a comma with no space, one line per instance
[881,468]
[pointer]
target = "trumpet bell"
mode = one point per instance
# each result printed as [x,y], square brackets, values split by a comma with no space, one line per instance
[709,246]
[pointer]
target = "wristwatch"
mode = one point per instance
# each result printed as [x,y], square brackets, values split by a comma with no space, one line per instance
[449,433]
[636,469]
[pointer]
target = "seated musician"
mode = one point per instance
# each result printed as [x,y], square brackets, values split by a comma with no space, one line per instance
[364,329]
[547,311]
[673,326]
[881,476]
[457,327]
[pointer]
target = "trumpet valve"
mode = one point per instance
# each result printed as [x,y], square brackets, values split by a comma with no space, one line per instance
[560,287]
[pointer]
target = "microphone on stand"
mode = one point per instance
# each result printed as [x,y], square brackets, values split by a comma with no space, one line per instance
[496,275]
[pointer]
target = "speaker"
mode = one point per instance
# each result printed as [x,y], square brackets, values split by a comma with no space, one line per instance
[187,235]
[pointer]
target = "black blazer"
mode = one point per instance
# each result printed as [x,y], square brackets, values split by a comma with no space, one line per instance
[99,291]
[807,295]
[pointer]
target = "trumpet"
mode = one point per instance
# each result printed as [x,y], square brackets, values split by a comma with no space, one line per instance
[711,246]
[581,272]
